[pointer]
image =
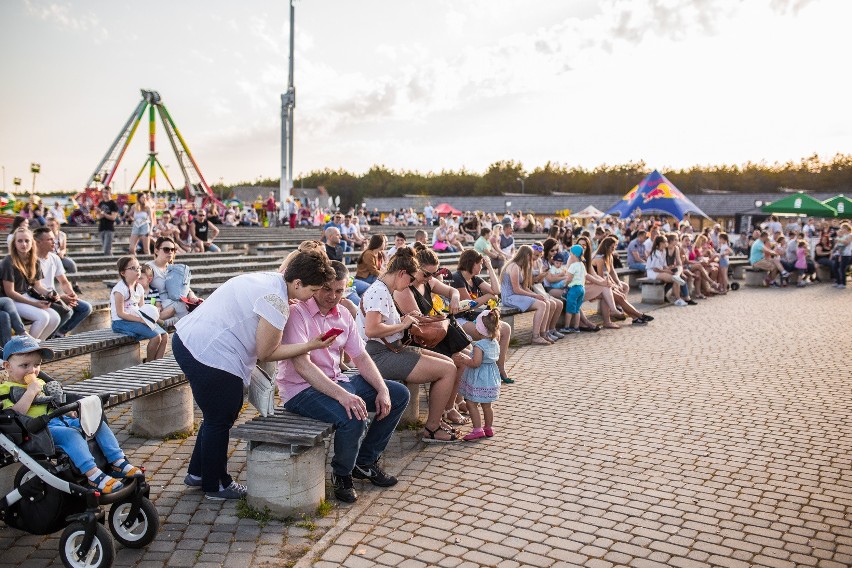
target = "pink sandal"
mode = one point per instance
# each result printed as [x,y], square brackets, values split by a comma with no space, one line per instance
[475,434]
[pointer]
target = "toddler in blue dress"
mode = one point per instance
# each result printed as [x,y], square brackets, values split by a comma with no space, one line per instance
[480,382]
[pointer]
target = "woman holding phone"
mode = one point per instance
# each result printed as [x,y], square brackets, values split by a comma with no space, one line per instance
[220,342]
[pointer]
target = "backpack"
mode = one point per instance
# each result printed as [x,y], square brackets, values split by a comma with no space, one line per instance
[177,281]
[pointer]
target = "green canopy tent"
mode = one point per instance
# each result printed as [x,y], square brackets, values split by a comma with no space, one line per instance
[841,204]
[800,204]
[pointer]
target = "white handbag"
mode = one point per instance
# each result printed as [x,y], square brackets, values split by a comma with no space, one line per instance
[261,393]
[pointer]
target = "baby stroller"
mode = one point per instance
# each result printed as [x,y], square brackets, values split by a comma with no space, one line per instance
[50,494]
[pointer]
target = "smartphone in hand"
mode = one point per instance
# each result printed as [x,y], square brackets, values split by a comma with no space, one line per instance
[333,332]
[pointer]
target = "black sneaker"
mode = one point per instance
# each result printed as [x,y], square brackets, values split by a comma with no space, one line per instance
[639,321]
[646,317]
[233,491]
[691,303]
[374,474]
[343,488]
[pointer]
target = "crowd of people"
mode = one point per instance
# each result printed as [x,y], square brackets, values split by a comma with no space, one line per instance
[315,319]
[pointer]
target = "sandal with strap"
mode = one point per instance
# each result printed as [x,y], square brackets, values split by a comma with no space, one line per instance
[121,470]
[431,439]
[106,484]
[460,421]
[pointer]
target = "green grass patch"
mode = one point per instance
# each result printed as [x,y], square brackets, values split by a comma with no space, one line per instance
[246,511]
[324,508]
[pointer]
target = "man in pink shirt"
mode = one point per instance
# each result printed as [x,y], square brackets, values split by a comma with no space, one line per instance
[313,386]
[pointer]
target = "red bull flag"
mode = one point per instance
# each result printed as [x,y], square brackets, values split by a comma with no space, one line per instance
[656,194]
[622,208]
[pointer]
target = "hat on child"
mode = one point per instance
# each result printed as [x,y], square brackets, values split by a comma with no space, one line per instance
[577,251]
[560,257]
[25,344]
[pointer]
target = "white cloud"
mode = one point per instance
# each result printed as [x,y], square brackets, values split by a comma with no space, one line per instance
[67,17]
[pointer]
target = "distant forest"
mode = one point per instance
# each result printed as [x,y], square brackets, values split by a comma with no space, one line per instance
[809,174]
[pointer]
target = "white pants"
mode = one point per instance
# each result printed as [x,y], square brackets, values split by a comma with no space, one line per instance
[45,322]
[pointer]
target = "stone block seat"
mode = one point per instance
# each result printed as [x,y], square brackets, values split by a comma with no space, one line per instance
[285,462]
[631,274]
[754,277]
[159,391]
[653,290]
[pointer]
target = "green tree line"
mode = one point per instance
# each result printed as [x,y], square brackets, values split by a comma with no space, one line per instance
[811,173]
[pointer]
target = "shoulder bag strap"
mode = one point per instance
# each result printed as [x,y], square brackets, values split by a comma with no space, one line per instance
[382,339]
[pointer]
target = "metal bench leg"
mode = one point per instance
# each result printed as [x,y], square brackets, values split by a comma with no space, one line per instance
[115,359]
[161,414]
[289,480]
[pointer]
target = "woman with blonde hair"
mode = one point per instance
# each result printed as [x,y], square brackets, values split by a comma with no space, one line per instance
[516,287]
[602,263]
[21,271]
[539,273]
[143,221]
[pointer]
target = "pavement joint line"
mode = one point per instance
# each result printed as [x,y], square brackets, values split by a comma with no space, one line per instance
[343,524]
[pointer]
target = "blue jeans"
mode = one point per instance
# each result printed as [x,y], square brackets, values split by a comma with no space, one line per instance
[636,265]
[9,320]
[74,318]
[69,265]
[361,284]
[219,395]
[348,447]
[68,435]
[841,265]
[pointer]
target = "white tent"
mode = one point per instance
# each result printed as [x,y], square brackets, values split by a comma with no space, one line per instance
[590,212]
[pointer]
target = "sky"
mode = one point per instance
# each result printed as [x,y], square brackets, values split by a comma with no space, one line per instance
[426,85]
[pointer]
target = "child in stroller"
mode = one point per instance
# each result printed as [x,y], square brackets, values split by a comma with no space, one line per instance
[22,357]
[49,493]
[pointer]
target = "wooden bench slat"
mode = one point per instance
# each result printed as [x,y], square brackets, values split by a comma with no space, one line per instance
[296,425]
[277,438]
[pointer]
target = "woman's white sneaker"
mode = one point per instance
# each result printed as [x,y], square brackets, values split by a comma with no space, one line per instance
[680,303]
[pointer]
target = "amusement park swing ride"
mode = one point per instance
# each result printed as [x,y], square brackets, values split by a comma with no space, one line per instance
[195,186]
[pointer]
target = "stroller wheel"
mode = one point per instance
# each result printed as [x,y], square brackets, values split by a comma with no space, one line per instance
[101,553]
[139,532]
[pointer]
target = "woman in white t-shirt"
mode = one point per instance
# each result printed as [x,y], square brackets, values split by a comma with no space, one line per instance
[218,345]
[382,328]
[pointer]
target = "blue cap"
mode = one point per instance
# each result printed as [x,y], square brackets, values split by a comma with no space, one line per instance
[25,344]
[577,251]
[561,257]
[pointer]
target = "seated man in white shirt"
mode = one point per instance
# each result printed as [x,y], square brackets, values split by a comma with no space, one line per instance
[349,233]
[312,385]
[52,270]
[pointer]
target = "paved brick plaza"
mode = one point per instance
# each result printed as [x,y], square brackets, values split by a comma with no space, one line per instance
[718,435]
